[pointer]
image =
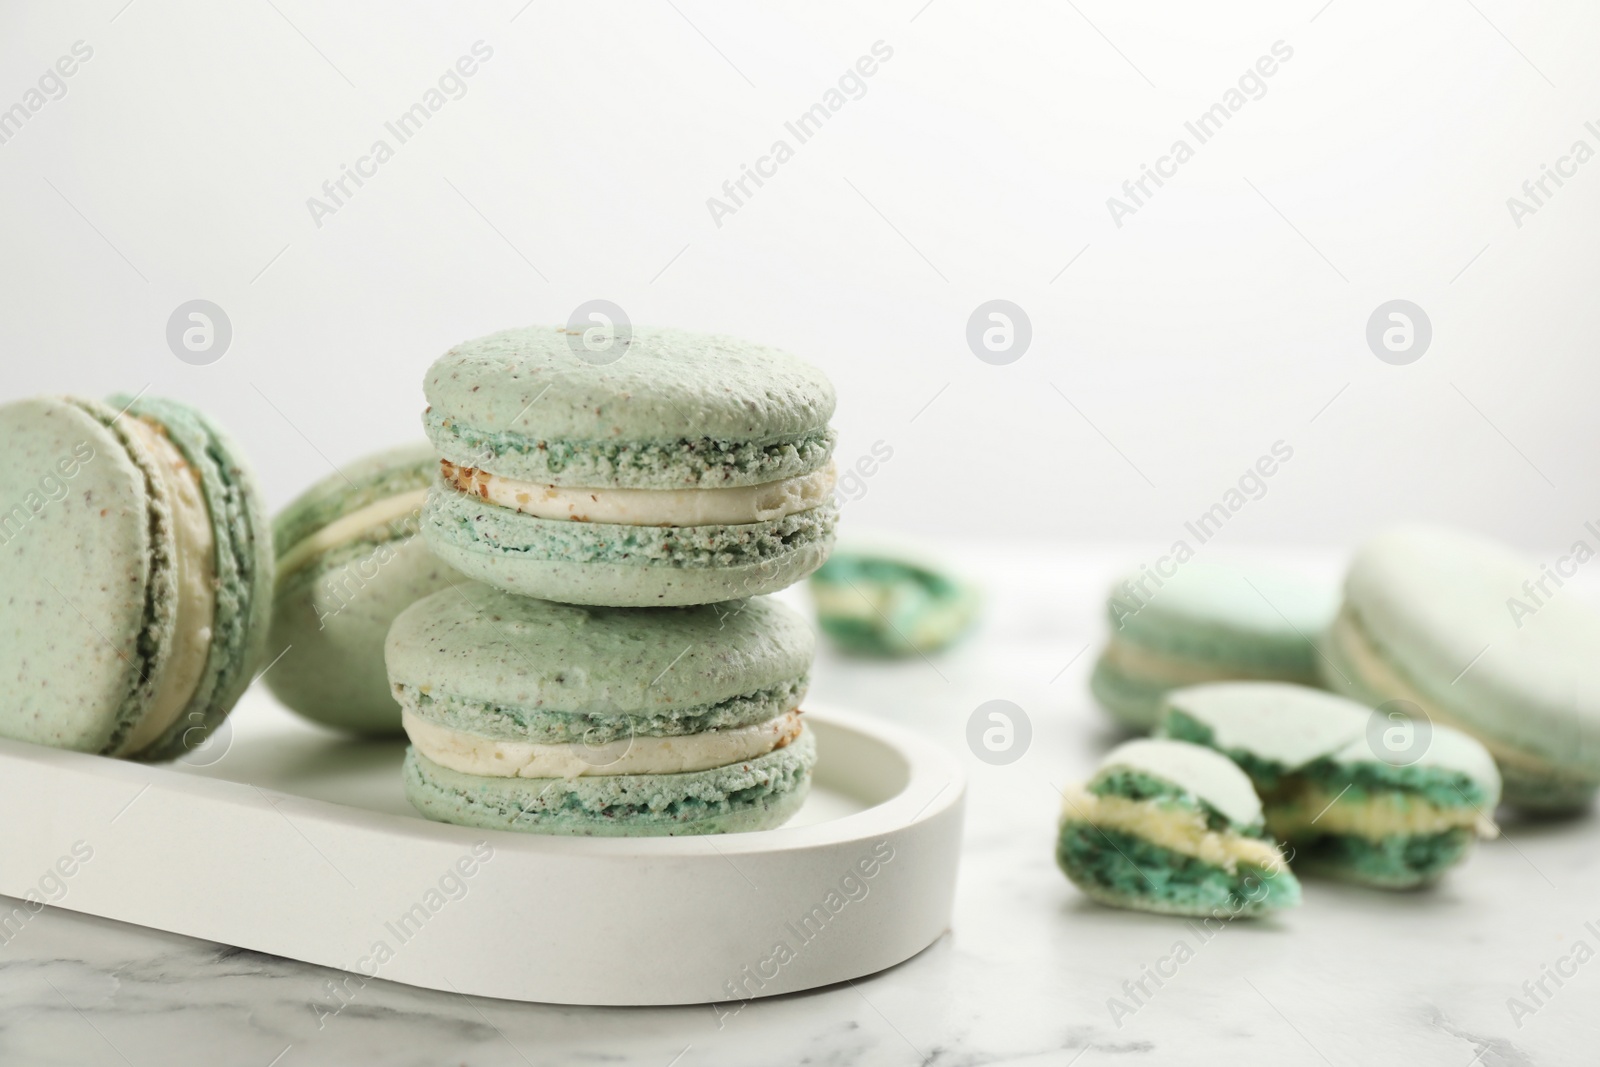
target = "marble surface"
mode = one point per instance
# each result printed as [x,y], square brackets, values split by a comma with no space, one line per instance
[1030,974]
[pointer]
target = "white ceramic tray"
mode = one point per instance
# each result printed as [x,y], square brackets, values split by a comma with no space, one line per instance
[280,838]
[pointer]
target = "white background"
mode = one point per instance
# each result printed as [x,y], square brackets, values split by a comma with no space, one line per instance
[1228,313]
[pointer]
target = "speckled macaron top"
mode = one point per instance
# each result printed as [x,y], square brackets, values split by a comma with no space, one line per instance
[86,576]
[496,665]
[675,409]
[1459,619]
[100,575]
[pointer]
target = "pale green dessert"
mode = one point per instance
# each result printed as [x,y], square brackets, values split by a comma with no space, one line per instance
[529,715]
[889,604]
[1206,622]
[136,576]
[350,558]
[691,469]
[756,794]
[1485,640]
[1174,828]
[1355,794]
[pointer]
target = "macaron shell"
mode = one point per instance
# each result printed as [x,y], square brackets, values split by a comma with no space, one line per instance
[624,566]
[1216,613]
[758,794]
[1209,775]
[86,573]
[502,401]
[475,643]
[333,611]
[244,570]
[1132,701]
[330,623]
[1287,725]
[1435,605]
[356,485]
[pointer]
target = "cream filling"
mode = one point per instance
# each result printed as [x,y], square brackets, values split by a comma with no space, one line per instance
[195,604]
[737,506]
[1182,830]
[1164,669]
[1375,818]
[348,528]
[1376,674]
[470,754]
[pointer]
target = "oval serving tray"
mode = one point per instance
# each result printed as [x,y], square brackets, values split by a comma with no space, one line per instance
[280,838]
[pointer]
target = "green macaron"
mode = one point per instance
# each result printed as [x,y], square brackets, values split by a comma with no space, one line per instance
[551,718]
[350,558]
[136,569]
[883,602]
[1391,802]
[1174,828]
[1206,622]
[688,469]
[1483,639]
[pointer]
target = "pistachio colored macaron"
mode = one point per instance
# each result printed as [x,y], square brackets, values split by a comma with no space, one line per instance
[686,469]
[1391,802]
[1175,828]
[1206,622]
[350,558]
[135,576]
[1482,639]
[884,602]
[564,719]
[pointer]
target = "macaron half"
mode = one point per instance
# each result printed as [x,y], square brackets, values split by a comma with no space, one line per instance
[693,469]
[885,602]
[563,719]
[1175,828]
[350,559]
[136,576]
[1481,639]
[1386,803]
[1206,622]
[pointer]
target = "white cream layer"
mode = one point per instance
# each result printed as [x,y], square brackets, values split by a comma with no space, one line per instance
[1374,819]
[1181,830]
[195,550]
[484,756]
[738,506]
[348,528]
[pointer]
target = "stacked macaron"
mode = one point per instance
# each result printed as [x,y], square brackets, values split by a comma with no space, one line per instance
[691,470]
[608,673]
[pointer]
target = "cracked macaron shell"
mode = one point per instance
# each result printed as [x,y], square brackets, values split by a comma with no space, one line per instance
[677,409]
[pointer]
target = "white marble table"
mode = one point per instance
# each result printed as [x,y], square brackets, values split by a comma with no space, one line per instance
[1025,976]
